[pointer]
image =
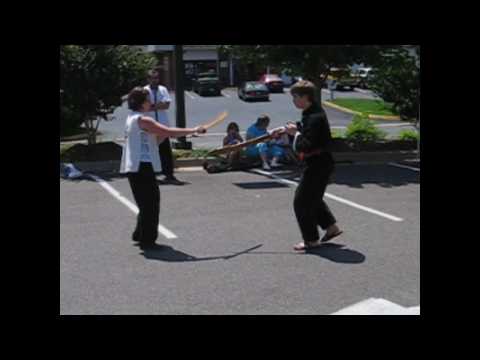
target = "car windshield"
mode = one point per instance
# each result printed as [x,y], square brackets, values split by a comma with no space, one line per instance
[255,86]
[339,72]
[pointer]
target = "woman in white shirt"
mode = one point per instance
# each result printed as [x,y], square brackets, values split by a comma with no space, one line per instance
[140,161]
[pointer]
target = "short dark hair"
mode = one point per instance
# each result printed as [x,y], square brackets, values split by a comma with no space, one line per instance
[136,98]
[154,72]
[263,119]
[304,87]
[233,125]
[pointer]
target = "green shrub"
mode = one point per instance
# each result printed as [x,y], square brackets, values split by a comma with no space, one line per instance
[361,129]
[337,134]
[70,121]
[93,79]
[397,80]
[408,135]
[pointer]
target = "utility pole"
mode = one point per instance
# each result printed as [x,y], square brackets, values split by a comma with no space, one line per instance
[231,70]
[180,97]
[418,129]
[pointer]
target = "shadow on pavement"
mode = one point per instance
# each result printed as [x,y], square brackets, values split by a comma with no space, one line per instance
[172,183]
[337,253]
[330,251]
[260,185]
[169,254]
[382,175]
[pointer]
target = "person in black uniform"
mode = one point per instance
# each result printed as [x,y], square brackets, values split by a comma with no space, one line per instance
[312,143]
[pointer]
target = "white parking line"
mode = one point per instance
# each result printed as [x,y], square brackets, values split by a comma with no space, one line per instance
[374,306]
[190,95]
[225,94]
[362,91]
[162,229]
[404,166]
[333,197]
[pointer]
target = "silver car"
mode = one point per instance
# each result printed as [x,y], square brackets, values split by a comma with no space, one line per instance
[253,90]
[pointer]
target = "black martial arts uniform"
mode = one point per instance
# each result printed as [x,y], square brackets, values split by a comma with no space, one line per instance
[313,145]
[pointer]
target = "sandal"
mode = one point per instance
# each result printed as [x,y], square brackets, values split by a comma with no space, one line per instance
[306,245]
[330,237]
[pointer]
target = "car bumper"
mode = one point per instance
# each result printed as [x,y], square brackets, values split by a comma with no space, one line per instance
[257,97]
[275,88]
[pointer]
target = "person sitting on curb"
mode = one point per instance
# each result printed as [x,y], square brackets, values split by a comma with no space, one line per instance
[263,149]
[233,137]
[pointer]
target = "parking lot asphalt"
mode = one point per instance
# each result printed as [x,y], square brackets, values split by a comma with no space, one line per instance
[232,251]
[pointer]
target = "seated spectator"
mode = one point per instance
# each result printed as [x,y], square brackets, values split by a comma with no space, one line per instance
[264,150]
[233,137]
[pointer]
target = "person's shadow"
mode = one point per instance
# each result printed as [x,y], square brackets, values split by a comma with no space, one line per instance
[331,251]
[168,253]
[172,183]
[337,253]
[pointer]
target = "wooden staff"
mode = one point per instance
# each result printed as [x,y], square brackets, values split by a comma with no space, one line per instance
[220,118]
[229,148]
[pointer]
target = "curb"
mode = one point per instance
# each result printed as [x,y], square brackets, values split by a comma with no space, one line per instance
[334,106]
[347,158]
[372,117]
[379,157]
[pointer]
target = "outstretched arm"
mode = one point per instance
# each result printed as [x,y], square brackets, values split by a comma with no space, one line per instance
[151,126]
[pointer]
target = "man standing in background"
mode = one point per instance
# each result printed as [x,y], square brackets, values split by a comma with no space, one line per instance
[160,100]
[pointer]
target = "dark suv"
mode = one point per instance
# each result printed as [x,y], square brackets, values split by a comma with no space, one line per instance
[207,83]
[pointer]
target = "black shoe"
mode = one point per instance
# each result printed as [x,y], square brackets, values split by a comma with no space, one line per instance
[147,245]
[172,180]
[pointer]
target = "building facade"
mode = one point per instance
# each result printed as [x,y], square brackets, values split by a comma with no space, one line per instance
[197,59]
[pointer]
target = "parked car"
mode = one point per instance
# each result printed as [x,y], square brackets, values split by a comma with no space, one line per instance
[273,82]
[207,83]
[289,80]
[363,76]
[342,78]
[253,90]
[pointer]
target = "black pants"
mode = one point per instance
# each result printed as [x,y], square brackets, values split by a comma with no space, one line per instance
[166,157]
[310,209]
[147,196]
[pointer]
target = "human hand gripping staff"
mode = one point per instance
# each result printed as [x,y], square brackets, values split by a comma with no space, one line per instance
[272,134]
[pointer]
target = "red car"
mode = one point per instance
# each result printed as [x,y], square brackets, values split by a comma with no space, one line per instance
[273,82]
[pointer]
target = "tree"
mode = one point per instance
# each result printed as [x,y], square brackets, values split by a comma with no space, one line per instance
[397,80]
[312,62]
[93,78]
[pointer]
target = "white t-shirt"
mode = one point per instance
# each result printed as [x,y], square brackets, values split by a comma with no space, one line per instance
[140,146]
[162,95]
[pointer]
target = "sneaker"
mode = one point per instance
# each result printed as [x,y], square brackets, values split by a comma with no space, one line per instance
[275,163]
[266,166]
